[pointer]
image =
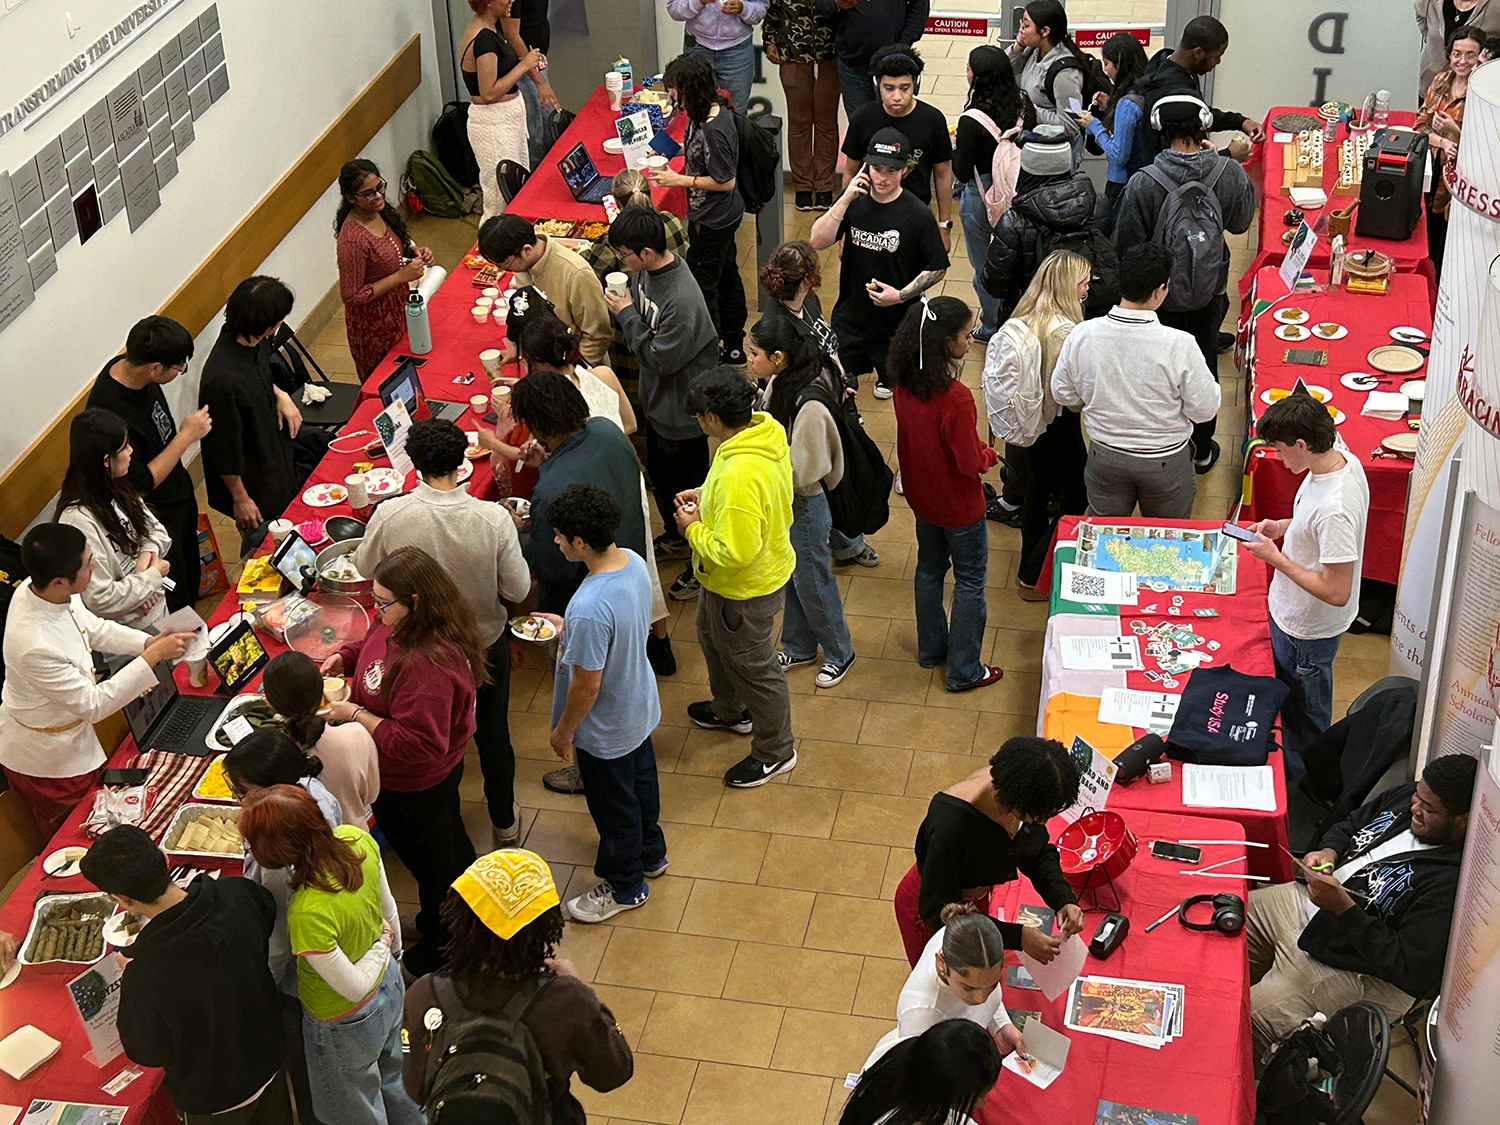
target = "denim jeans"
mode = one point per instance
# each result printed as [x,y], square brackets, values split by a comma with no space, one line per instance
[735,69]
[977,231]
[844,546]
[624,798]
[1307,668]
[537,141]
[355,1061]
[958,637]
[814,611]
[856,87]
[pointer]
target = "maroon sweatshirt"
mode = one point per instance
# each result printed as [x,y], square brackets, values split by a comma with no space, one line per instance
[428,712]
[941,456]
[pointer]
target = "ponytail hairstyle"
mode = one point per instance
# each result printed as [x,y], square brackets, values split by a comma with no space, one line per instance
[351,175]
[94,438]
[929,1079]
[268,757]
[805,361]
[631,189]
[971,940]
[1129,58]
[918,358]
[789,265]
[995,92]
[1050,14]
[293,686]
[546,342]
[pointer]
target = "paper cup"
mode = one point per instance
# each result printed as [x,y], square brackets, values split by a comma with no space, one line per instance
[491,292]
[335,689]
[501,311]
[280,529]
[500,400]
[656,163]
[479,404]
[481,313]
[484,302]
[198,672]
[490,357]
[617,283]
[359,493]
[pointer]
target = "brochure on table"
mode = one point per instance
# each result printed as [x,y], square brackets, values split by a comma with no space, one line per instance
[393,424]
[1096,778]
[635,134]
[96,997]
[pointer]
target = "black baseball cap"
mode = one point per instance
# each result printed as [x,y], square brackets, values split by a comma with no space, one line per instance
[889,148]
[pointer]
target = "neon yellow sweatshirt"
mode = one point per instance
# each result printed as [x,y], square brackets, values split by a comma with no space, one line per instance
[741,543]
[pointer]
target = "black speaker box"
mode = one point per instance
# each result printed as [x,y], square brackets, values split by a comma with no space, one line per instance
[1390,194]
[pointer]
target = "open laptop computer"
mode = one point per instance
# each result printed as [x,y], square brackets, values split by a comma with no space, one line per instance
[404,383]
[582,178]
[164,719]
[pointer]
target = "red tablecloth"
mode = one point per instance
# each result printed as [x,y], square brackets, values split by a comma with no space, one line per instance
[1369,320]
[1410,255]
[1207,1070]
[546,195]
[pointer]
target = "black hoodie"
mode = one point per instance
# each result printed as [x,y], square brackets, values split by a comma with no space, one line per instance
[860,31]
[1163,77]
[1401,936]
[197,996]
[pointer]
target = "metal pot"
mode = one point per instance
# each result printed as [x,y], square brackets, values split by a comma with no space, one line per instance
[361,590]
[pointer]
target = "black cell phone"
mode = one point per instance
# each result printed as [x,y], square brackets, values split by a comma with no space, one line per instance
[375,449]
[1182,853]
[123,777]
[414,360]
[1235,531]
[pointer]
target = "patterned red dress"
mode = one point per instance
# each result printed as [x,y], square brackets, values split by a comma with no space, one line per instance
[375,324]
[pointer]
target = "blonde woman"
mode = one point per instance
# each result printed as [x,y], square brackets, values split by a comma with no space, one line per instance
[497,116]
[1018,367]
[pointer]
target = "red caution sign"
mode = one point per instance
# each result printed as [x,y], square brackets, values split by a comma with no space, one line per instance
[1097,38]
[980,27]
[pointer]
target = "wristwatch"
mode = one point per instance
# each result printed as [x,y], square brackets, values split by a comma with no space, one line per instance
[947,224]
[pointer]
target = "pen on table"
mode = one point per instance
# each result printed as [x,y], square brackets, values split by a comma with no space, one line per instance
[1162,919]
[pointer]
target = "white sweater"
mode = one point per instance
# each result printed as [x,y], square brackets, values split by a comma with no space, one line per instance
[1141,385]
[116,590]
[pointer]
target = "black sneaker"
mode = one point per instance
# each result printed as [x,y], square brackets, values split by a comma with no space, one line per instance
[666,546]
[703,716]
[804,201]
[750,772]
[823,200]
[660,656]
[1204,464]
[732,357]
[684,587]
[996,511]
[1226,342]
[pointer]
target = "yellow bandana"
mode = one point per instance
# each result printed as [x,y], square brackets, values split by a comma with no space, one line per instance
[507,889]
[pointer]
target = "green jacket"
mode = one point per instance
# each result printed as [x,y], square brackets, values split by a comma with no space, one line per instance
[742,546]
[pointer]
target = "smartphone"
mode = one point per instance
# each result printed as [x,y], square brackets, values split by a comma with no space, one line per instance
[123,777]
[1235,531]
[1182,853]
[415,361]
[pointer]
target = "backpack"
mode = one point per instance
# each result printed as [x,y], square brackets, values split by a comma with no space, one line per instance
[1012,381]
[860,503]
[440,193]
[1290,1091]
[1099,250]
[755,178]
[450,141]
[1095,81]
[12,574]
[1191,227]
[482,1067]
[1005,167]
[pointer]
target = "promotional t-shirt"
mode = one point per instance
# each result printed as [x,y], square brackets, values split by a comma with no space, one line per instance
[1328,526]
[925,127]
[713,150]
[891,242]
[151,428]
[319,921]
[605,630]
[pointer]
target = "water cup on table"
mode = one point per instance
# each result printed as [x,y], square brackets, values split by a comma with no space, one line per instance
[479,404]
[359,492]
[491,292]
[501,312]
[618,284]
[481,313]
[280,529]
[490,357]
[484,302]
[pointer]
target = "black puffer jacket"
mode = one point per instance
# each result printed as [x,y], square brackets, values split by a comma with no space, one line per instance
[1061,213]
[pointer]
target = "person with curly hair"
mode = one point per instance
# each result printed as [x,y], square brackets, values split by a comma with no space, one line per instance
[506,922]
[979,833]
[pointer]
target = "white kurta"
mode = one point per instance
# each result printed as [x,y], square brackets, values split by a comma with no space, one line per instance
[49,683]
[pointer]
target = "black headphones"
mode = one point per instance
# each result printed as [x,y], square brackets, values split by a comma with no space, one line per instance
[916,79]
[1229,913]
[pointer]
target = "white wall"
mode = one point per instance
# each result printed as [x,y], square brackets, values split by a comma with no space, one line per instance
[294,66]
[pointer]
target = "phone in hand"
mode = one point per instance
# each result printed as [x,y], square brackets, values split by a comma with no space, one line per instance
[1182,853]
[1235,531]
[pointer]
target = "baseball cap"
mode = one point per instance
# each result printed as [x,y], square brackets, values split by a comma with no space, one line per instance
[889,148]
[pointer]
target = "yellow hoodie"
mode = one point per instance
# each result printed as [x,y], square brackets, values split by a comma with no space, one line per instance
[742,546]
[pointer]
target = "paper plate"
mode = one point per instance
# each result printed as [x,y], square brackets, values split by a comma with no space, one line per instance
[1405,334]
[1414,388]
[1291,316]
[10,975]
[1360,381]
[1338,415]
[465,471]
[63,863]
[1396,360]
[115,933]
[614,146]
[325,495]
[314,531]
[383,482]
[1405,445]
[519,629]
[1293,333]
[1276,394]
[1321,331]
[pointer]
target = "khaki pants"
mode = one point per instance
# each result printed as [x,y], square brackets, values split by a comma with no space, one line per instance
[1286,985]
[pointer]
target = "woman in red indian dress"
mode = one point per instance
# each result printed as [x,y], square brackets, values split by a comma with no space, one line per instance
[377,259]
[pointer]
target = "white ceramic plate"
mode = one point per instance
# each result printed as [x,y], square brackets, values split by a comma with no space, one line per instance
[548,630]
[63,863]
[1360,381]
[614,146]
[1292,316]
[1293,333]
[1408,335]
[1414,388]
[1322,394]
[1339,332]
[325,495]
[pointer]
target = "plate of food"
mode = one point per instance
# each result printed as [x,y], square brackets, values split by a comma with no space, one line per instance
[214,785]
[1276,394]
[1338,415]
[532,628]
[473,451]
[67,928]
[519,505]
[314,531]
[63,863]
[1329,330]
[1360,381]
[325,495]
[121,929]
[1396,360]
[555,228]
[383,482]
[1292,316]
[1405,334]
[1292,333]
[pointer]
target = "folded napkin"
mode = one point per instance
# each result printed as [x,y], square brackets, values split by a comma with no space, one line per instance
[312,393]
[1389,405]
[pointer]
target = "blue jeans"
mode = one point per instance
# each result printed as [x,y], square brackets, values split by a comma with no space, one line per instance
[1306,667]
[856,87]
[735,69]
[537,141]
[354,1062]
[957,637]
[814,612]
[624,798]
[977,231]
[843,546]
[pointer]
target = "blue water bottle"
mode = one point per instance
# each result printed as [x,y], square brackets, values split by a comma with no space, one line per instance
[418,331]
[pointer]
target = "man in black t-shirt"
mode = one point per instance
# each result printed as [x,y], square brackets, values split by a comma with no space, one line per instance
[898,74]
[893,253]
[156,352]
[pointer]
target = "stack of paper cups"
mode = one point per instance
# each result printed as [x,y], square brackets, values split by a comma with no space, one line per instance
[359,495]
[613,84]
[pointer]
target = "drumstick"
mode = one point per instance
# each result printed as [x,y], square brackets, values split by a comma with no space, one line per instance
[1245,843]
[1229,875]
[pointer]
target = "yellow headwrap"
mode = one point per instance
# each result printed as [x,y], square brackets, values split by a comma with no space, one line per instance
[507,889]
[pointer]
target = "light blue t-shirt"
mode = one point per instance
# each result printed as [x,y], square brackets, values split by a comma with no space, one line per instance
[605,627]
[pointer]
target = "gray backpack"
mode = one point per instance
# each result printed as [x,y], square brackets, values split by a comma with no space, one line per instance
[1191,227]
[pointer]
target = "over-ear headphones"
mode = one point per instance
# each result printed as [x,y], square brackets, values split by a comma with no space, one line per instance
[1228,917]
[916,79]
[1205,115]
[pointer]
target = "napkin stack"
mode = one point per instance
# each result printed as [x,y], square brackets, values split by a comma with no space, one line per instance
[1389,405]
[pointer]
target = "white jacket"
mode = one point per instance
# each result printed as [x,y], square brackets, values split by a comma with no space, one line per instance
[116,590]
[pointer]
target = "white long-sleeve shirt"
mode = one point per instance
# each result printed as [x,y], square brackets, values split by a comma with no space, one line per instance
[1141,385]
[116,590]
[49,684]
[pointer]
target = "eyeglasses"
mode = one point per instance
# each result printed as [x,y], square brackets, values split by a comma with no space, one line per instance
[382,604]
[374,192]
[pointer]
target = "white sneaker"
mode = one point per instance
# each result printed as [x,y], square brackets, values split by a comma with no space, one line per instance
[600,903]
[899,490]
[882,391]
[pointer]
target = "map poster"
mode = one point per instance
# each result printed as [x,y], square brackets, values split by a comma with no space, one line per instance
[1164,558]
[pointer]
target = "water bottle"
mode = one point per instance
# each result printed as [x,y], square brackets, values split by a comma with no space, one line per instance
[1382,108]
[418,331]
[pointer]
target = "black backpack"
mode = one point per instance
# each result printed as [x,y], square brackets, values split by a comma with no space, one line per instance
[450,141]
[482,1067]
[12,574]
[860,503]
[1290,1091]
[759,157]
[1095,247]
[1095,81]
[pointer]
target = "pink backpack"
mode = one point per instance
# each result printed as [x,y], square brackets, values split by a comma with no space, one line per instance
[1004,169]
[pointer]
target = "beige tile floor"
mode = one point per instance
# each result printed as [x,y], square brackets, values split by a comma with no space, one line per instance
[768,962]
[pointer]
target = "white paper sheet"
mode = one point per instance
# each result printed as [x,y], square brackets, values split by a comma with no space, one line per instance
[1229,787]
[1046,1049]
[1089,654]
[1150,710]
[1110,587]
[1389,405]
[186,620]
[1282,138]
[1057,976]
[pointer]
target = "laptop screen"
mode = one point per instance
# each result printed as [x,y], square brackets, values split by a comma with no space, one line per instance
[143,712]
[578,169]
[403,383]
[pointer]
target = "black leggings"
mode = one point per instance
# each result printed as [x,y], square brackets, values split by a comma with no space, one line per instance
[713,259]
[1056,458]
[426,830]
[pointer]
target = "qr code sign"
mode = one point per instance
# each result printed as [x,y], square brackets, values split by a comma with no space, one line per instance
[1087,586]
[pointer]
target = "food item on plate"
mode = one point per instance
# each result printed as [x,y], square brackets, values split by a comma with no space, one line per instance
[209,833]
[1327,328]
[70,933]
[560,228]
[593,230]
[342,569]
[533,628]
[215,784]
[1292,332]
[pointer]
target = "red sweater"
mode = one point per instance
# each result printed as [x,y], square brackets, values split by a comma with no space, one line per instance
[941,456]
[428,713]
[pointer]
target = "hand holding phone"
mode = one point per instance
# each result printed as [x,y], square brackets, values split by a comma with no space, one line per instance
[1235,531]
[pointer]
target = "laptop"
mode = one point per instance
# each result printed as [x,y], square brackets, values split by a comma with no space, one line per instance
[164,719]
[582,178]
[404,383]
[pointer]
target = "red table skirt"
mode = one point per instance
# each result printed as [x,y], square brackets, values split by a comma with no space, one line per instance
[1207,1070]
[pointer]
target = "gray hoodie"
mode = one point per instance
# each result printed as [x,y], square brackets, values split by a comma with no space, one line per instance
[1144,197]
[668,328]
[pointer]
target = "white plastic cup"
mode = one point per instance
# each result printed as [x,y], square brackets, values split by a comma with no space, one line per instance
[280,529]
[479,404]
[500,400]
[501,312]
[484,302]
[617,283]
[198,672]
[335,689]
[490,357]
[359,493]
[491,293]
[657,163]
[480,313]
